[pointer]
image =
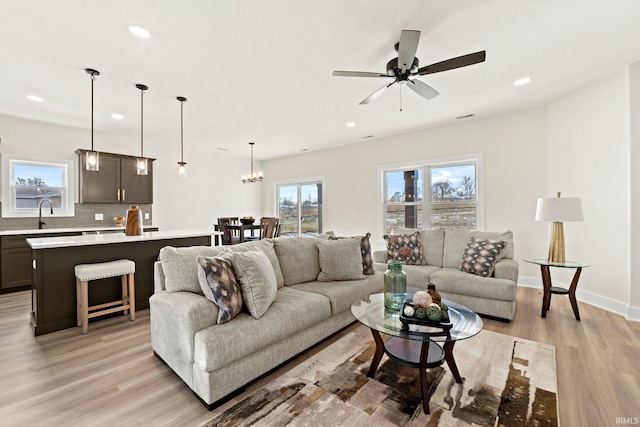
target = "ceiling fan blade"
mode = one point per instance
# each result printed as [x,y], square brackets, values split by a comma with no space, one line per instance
[376,94]
[422,89]
[450,64]
[358,74]
[407,48]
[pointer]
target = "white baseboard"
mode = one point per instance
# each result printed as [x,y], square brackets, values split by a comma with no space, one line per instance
[614,306]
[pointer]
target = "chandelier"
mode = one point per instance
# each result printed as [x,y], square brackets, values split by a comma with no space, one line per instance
[252,176]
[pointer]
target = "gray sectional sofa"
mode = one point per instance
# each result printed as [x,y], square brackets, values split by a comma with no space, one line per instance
[216,359]
[442,259]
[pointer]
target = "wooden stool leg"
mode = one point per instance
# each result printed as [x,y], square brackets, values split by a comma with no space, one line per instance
[78,303]
[132,297]
[84,290]
[125,299]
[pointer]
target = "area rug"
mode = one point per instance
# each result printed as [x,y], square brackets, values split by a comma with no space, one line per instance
[507,381]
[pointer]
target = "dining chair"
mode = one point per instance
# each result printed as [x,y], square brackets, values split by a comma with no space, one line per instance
[269,227]
[229,236]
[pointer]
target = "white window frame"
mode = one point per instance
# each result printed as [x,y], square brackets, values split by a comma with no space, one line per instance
[8,202]
[425,165]
[300,182]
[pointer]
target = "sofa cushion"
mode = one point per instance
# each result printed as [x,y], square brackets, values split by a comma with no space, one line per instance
[291,312]
[218,282]
[298,257]
[455,241]
[340,260]
[257,280]
[343,294]
[432,241]
[180,267]
[266,246]
[405,248]
[448,280]
[480,256]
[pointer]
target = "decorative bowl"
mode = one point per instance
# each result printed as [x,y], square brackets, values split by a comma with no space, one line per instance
[247,221]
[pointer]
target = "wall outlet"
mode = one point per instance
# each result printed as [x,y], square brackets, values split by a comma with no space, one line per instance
[146,215]
[99,217]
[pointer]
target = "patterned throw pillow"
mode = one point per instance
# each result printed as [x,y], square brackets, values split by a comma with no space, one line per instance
[481,255]
[365,250]
[405,248]
[218,283]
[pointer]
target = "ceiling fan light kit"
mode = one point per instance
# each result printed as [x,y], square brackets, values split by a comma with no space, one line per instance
[406,67]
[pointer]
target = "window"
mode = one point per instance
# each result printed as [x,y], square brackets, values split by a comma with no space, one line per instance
[299,207]
[451,200]
[27,182]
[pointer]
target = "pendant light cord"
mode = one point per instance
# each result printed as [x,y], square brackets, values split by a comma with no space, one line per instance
[92,80]
[141,123]
[182,131]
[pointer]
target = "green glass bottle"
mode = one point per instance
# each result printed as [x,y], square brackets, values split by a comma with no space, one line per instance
[395,286]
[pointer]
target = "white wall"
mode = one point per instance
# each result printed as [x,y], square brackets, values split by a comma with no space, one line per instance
[588,157]
[514,151]
[212,189]
[634,113]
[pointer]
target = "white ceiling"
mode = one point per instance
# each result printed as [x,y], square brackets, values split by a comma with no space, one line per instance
[258,70]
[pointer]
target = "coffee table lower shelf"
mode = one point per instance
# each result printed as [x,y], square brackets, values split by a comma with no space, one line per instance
[415,354]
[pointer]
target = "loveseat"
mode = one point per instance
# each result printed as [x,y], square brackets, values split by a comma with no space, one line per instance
[310,287]
[439,259]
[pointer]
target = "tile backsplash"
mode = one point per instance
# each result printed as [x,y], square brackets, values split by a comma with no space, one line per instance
[84,217]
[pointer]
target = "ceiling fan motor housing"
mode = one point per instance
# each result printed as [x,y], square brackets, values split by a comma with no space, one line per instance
[394,70]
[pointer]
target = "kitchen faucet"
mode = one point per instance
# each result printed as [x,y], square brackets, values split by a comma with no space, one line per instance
[40,222]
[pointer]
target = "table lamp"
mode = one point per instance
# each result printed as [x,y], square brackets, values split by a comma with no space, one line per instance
[558,210]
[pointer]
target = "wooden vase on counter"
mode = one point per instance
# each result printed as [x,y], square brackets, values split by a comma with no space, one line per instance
[134,223]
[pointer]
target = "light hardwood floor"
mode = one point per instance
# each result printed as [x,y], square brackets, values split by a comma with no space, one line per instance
[110,376]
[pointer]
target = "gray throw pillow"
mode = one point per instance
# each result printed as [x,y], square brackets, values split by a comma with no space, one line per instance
[180,269]
[218,283]
[298,258]
[340,259]
[257,280]
[481,255]
[365,250]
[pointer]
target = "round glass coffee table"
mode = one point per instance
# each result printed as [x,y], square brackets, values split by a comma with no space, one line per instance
[421,347]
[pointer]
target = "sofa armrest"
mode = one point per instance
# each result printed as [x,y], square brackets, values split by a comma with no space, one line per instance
[158,277]
[380,256]
[506,269]
[176,317]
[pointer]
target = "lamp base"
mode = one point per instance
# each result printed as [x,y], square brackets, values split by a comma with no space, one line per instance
[556,246]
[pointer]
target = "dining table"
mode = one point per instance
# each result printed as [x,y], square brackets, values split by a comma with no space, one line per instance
[241,229]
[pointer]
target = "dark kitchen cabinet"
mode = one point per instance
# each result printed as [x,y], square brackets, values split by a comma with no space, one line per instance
[15,260]
[116,181]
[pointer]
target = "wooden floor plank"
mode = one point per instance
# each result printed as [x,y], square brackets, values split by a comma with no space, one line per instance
[110,376]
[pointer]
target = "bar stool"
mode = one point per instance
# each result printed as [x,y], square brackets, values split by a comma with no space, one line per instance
[87,272]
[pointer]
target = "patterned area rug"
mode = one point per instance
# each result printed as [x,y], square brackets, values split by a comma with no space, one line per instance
[507,381]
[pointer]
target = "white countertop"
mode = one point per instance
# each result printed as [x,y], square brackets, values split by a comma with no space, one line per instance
[108,238]
[63,230]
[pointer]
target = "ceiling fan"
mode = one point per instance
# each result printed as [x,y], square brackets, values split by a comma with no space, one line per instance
[406,66]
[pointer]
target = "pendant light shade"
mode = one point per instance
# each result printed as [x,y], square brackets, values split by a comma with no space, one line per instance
[182,165]
[92,158]
[252,176]
[142,162]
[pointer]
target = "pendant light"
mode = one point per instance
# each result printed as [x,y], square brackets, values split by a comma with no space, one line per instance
[182,166]
[141,162]
[252,177]
[92,158]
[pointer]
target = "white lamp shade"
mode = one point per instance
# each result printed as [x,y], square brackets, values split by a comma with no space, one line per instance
[559,209]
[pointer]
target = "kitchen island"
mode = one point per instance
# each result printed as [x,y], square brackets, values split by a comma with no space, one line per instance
[53,291]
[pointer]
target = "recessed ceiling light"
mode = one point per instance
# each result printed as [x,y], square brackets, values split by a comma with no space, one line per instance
[351,124]
[304,149]
[138,31]
[522,81]
[222,149]
[367,137]
[464,117]
[35,98]
[117,116]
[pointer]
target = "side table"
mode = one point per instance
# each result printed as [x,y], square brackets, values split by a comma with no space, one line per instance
[549,289]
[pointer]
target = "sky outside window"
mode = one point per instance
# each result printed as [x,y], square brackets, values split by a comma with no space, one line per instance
[51,175]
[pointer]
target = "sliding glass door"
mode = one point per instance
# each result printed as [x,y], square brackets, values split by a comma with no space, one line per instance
[300,208]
